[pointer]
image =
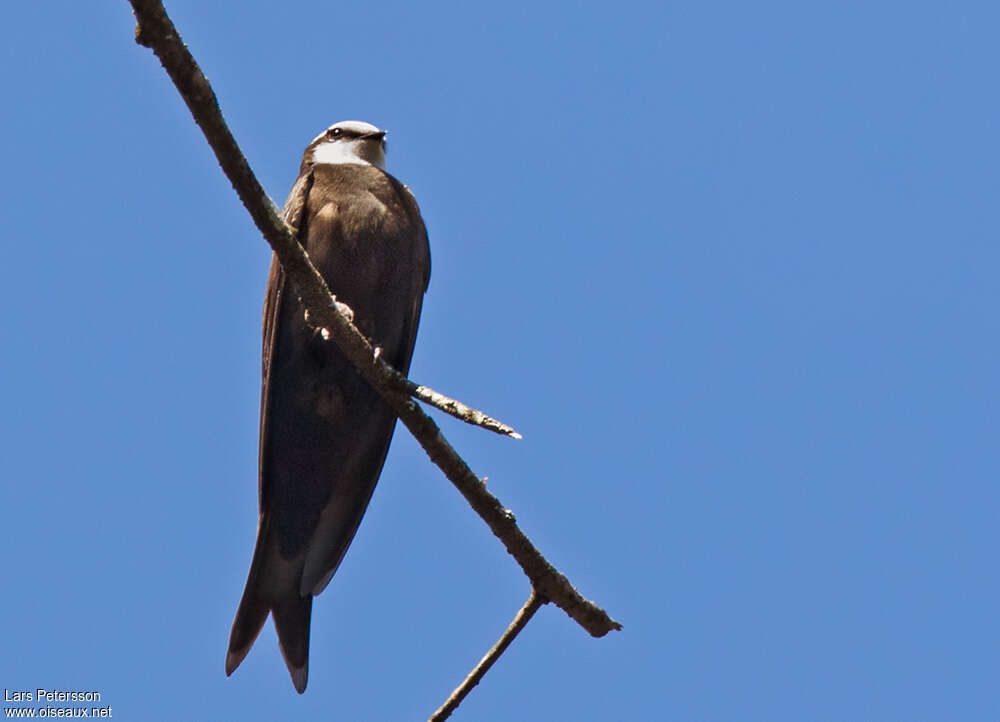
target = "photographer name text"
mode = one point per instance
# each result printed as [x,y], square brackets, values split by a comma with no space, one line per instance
[49,695]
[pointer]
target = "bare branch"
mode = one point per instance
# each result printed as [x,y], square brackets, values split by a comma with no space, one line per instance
[535,601]
[458,409]
[156,31]
[544,577]
[448,405]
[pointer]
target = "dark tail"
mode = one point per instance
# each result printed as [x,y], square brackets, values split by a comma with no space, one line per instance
[250,618]
[291,621]
[291,614]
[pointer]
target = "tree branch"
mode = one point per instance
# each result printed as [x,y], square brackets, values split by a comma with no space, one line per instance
[156,31]
[457,408]
[535,601]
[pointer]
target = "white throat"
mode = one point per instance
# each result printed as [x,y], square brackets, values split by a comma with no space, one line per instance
[349,152]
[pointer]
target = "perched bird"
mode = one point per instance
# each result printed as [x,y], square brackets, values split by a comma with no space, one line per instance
[324,432]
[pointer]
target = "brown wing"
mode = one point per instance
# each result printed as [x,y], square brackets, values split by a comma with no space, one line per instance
[293,213]
[424,255]
[271,586]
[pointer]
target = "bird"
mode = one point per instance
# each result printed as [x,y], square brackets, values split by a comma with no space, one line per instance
[324,432]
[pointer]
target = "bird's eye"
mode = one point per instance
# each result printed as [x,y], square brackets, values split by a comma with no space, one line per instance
[335,132]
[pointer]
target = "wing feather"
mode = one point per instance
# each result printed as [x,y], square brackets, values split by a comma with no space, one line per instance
[294,213]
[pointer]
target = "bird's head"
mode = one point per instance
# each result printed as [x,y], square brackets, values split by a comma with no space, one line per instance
[349,141]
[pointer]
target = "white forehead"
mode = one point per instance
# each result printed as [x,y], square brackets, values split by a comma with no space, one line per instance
[352,126]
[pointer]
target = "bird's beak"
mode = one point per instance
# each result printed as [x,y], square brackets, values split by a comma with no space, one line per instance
[379,135]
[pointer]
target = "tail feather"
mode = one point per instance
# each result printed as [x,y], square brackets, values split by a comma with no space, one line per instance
[253,609]
[291,622]
[250,618]
[273,588]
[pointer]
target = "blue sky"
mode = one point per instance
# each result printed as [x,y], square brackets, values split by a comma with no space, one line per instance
[730,268]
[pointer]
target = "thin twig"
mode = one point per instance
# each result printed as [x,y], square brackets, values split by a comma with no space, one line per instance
[156,31]
[459,410]
[535,601]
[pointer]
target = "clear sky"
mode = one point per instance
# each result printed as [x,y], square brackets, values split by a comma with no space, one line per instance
[730,267]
